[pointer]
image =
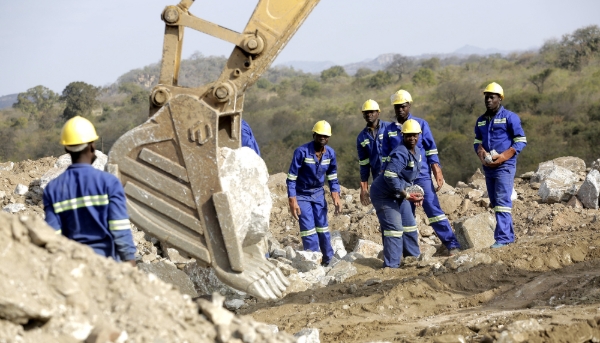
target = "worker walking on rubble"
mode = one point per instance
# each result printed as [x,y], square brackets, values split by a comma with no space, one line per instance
[312,163]
[368,146]
[402,101]
[389,194]
[85,204]
[499,129]
[248,139]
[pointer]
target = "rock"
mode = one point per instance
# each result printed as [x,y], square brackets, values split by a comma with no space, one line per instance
[367,248]
[233,304]
[475,232]
[449,339]
[446,189]
[574,202]
[449,202]
[244,178]
[21,189]
[514,195]
[307,335]
[527,175]
[173,254]
[206,282]
[314,276]
[353,256]
[167,272]
[14,208]
[484,202]
[426,230]
[464,262]
[341,271]
[590,189]
[339,223]
[373,281]
[475,194]
[572,164]
[214,311]
[2,195]
[465,206]
[286,268]
[297,284]
[39,233]
[528,325]
[555,182]
[337,243]
[276,253]
[477,176]
[290,253]
[307,260]
[535,185]
[461,184]
[7,166]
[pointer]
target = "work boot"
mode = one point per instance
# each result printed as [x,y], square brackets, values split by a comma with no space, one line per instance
[498,245]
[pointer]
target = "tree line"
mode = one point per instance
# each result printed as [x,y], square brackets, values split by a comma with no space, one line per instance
[555,91]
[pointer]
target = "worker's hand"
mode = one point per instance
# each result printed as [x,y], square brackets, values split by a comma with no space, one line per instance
[437,174]
[481,153]
[503,157]
[294,208]
[415,198]
[132,263]
[336,202]
[365,200]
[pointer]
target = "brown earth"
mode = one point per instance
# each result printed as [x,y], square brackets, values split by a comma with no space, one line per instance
[551,274]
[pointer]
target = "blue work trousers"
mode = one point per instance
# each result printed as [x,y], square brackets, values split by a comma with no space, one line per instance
[437,218]
[314,228]
[499,187]
[410,237]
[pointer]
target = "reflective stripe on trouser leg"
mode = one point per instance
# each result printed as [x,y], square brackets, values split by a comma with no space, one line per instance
[410,238]
[308,232]
[499,189]
[432,208]
[322,226]
[390,221]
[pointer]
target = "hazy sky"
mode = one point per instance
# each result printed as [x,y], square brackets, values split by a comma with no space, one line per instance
[53,43]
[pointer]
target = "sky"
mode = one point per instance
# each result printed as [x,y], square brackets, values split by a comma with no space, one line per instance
[53,43]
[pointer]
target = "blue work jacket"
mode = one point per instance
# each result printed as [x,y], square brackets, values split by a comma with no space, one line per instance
[426,144]
[499,133]
[369,151]
[88,206]
[248,139]
[400,171]
[307,174]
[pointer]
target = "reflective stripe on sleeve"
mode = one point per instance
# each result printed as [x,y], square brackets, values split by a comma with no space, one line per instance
[502,209]
[308,233]
[520,139]
[121,224]
[331,177]
[292,177]
[392,233]
[381,136]
[364,143]
[388,173]
[437,218]
[392,133]
[481,123]
[86,201]
[364,162]
[477,141]
[431,152]
[58,232]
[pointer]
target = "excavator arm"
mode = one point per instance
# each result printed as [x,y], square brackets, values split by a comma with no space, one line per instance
[168,165]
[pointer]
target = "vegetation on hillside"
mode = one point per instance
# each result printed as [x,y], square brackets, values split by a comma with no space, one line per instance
[555,91]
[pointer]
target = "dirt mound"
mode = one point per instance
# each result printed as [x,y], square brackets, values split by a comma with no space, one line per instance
[55,290]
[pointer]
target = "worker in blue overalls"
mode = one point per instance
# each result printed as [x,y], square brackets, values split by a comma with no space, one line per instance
[248,139]
[499,130]
[85,204]
[312,163]
[368,146]
[402,100]
[388,192]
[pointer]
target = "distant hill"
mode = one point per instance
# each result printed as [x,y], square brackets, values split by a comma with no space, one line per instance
[7,100]
[308,66]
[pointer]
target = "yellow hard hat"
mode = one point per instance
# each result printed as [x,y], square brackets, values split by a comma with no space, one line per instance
[494,88]
[401,97]
[370,105]
[322,128]
[78,130]
[411,126]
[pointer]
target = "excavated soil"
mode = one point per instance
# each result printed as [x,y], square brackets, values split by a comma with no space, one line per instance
[549,276]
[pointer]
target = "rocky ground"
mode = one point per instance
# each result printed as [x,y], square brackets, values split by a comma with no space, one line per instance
[542,288]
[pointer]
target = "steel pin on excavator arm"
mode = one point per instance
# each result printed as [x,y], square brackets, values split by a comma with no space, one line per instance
[168,165]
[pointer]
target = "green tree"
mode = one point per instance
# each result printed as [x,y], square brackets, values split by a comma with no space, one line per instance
[36,100]
[400,65]
[380,79]
[432,63]
[424,77]
[136,93]
[333,72]
[310,88]
[538,80]
[80,99]
[362,72]
[574,50]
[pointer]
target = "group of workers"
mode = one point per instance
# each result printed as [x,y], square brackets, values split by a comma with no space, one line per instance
[398,157]
[89,206]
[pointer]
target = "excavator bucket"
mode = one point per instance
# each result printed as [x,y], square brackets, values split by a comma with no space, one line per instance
[169,164]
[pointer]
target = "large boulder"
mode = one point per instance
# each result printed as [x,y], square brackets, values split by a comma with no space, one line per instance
[557,184]
[475,232]
[449,202]
[206,282]
[367,248]
[167,272]
[572,164]
[589,191]
[244,178]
